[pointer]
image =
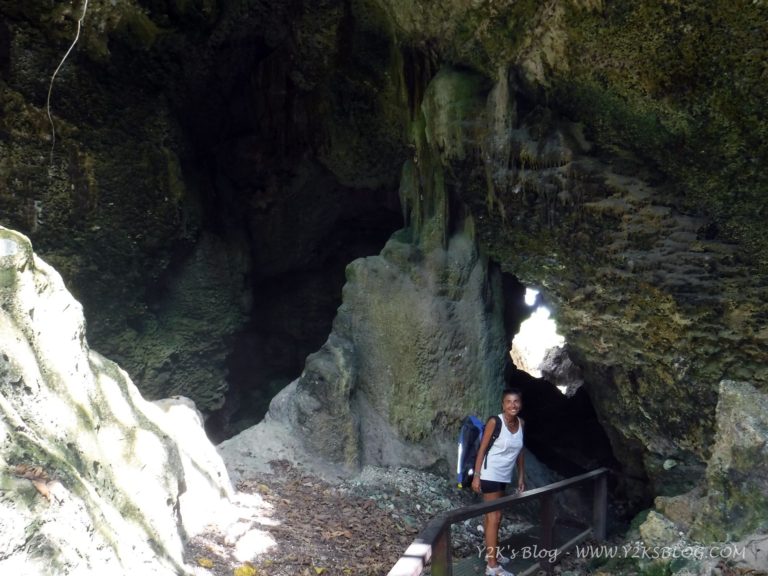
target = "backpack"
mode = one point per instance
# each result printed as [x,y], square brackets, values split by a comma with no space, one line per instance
[470,436]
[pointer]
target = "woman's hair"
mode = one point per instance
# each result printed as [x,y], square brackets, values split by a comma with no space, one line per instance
[514,391]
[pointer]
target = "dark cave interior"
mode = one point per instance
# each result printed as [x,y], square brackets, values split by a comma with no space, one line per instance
[259,128]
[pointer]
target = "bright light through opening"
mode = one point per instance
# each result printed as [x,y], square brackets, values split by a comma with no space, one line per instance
[536,337]
[530,296]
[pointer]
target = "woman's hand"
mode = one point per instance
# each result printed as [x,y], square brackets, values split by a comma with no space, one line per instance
[476,483]
[521,485]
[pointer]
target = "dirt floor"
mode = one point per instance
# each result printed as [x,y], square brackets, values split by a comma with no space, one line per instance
[318,529]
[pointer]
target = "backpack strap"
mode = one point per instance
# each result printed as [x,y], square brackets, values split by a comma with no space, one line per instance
[494,435]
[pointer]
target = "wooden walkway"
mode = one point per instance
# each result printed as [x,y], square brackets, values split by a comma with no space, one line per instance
[432,548]
[527,545]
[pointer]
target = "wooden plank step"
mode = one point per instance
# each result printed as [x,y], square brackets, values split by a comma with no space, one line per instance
[527,545]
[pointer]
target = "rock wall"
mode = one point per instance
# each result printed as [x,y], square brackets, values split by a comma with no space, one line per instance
[418,342]
[104,191]
[658,310]
[92,477]
[736,503]
[202,146]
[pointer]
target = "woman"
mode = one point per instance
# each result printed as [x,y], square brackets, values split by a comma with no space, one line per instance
[496,472]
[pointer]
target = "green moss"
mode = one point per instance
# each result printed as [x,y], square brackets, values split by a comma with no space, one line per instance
[683,85]
[619,121]
[453,99]
[638,520]
[137,29]
[85,418]
[620,565]
[657,568]
[487,35]
[17,252]
[734,510]
[7,278]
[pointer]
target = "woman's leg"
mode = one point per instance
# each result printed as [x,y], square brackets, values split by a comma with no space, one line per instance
[491,523]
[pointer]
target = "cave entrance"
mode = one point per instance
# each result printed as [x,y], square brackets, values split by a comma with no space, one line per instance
[562,427]
[296,289]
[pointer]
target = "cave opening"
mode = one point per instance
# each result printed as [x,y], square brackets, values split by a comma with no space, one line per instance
[290,187]
[294,303]
[537,342]
[562,427]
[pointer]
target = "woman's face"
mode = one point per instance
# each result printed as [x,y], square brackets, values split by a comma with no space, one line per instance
[511,404]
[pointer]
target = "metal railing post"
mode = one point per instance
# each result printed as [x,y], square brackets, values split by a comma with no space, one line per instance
[600,507]
[442,563]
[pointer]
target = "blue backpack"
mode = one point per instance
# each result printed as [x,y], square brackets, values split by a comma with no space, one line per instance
[470,436]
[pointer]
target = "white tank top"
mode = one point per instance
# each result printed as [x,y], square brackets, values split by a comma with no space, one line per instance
[503,455]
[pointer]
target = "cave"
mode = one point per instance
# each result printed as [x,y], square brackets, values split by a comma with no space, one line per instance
[326,215]
[258,130]
[563,430]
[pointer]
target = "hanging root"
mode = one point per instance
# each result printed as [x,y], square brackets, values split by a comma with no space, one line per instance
[55,72]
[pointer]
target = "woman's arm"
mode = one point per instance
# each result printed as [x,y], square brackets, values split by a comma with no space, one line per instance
[487,433]
[521,466]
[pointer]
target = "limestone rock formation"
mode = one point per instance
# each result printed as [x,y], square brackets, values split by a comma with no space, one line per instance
[93,479]
[558,368]
[418,342]
[643,295]
[737,477]
[658,531]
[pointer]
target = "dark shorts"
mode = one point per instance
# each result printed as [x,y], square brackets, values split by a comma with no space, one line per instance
[489,486]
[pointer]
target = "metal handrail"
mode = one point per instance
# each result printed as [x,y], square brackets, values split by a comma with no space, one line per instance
[433,544]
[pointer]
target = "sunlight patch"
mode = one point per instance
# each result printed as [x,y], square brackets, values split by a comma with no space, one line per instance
[537,335]
[252,544]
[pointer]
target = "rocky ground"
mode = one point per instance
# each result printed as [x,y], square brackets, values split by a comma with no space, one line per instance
[300,524]
[356,527]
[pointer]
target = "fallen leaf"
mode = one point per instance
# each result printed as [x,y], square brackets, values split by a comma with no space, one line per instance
[263,489]
[42,487]
[246,569]
[37,476]
[318,570]
[205,562]
[30,472]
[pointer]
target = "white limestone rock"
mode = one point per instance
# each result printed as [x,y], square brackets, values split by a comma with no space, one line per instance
[277,437]
[93,478]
